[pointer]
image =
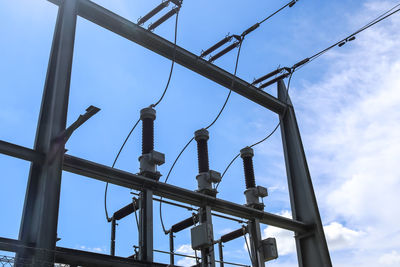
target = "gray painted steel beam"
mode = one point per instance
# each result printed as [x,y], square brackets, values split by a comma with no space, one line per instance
[312,249]
[131,31]
[40,213]
[75,257]
[118,177]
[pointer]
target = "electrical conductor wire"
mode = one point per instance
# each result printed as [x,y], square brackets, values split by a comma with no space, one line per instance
[211,124]
[152,105]
[366,26]
[258,142]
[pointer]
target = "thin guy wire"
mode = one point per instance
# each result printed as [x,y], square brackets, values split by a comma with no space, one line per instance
[262,140]
[211,124]
[152,105]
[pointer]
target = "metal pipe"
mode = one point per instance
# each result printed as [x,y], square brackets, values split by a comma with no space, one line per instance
[280,77]
[233,235]
[171,249]
[223,52]
[153,12]
[125,211]
[163,18]
[268,75]
[184,224]
[221,254]
[112,247]
[216,46]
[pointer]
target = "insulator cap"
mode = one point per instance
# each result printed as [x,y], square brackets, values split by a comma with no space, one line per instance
[201,134]
[247,152]
[148,113]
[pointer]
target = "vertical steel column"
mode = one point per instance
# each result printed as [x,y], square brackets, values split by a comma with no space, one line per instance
[146,225]
[40,214]
[312,249]
[207,254]
[171,249]
[221,253]
[113,228]
[255,243]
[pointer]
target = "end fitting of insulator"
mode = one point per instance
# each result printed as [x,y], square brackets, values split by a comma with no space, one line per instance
[246,152]
[148,113]
[201,134]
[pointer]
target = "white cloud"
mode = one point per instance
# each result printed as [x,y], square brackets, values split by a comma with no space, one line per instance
[390,259]
[340,237]
[350,123]
[94,249]
[187,250]
[284,239]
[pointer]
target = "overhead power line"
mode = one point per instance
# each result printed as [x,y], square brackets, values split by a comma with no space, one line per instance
[289,70]
[207,127]
[152,105]
[238,38]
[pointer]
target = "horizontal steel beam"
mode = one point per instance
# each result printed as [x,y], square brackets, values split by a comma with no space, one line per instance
[129,180]
[78,257]
[131,31]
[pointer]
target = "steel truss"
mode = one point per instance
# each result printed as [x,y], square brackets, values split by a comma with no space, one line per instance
[38,231]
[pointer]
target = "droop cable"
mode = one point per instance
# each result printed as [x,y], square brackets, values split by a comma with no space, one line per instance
[152,105]
[260,141]
[211,124]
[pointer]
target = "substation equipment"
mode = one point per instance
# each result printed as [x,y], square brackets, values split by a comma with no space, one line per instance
[38,230]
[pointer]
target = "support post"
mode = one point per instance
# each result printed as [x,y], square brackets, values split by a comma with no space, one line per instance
[146,226]
[221,253]
[171,249]
[40,214]
[207,253]
[255,243]
[312,249]
[112,247]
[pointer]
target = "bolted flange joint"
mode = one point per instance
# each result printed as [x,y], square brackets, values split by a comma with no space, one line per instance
[253,195]
[149,163]
[205,181]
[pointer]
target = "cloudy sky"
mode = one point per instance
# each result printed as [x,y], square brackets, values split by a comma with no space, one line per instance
[346,104]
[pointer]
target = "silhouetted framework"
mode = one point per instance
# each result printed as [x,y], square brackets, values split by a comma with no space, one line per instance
[38,230]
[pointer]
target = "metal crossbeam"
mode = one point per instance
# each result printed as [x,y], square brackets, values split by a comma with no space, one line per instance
[74,257]
[129,180]
[131,31]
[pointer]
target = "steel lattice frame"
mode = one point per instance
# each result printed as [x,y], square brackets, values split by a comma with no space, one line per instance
[38,231]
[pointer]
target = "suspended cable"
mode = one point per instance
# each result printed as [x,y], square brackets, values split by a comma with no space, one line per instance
[115,161]
[238,38]
[152,105]
[207,127]
[349,38]
[258,142]
[172,64]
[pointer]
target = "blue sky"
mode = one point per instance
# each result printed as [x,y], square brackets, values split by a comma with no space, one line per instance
[346,103]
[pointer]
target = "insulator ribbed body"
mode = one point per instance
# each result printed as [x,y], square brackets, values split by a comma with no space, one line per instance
[202,155]
[147,135]
[249,172]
